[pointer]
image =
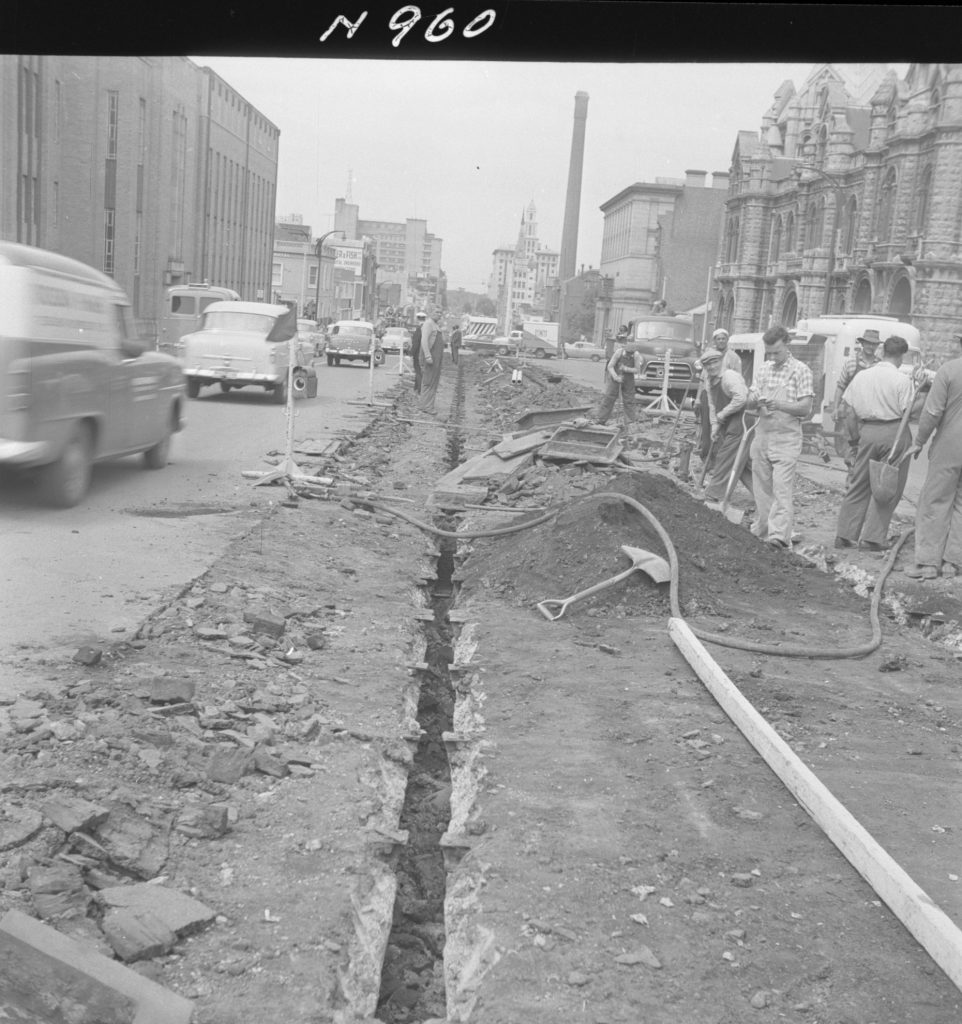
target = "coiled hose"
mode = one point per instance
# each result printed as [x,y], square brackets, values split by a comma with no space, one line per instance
[722,640]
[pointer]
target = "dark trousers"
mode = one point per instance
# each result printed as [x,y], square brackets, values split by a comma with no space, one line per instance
[860,516]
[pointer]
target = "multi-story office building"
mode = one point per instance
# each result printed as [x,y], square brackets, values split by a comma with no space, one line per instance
[520,273]
[151,169]
[659,241]
[848,200]
[406,254]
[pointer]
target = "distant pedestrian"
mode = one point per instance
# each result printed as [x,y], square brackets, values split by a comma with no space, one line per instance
[620,373]
[416,351]
[432,354]
[783,393]
[938,521]
[878,396]
[455,343]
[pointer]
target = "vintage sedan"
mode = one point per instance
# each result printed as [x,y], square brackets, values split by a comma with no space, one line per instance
[394,338]
[584,350]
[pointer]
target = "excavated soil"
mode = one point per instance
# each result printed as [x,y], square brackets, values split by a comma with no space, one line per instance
[462,811]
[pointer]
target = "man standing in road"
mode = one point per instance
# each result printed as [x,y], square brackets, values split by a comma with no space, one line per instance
[455,343]
[877,397]
[783,394]
[620,380]
[938,521]
[866,356]
[416,350]
[432,353]
[724,397]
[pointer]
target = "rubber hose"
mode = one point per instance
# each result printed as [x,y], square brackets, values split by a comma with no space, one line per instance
[785,650]
[458,534]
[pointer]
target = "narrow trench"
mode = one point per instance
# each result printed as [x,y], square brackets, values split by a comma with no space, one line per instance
[412,976]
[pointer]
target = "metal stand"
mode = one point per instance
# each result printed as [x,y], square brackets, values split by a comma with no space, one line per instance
[663,403]
[288,470]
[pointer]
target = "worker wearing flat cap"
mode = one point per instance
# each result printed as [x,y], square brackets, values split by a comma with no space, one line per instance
[865,356]
[725,396]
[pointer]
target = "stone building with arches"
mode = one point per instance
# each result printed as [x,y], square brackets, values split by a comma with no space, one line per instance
[849,200]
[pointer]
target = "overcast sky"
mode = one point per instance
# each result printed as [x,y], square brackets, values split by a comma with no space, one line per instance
[467,145]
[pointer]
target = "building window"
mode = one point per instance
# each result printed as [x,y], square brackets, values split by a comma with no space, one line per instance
[109,242]
[851,222]
[922,201]
[775,248]
[312,277]
[886,207]
[790,232]
[113,108]
[277,275]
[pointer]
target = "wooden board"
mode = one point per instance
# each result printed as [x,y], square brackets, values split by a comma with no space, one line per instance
[931,926]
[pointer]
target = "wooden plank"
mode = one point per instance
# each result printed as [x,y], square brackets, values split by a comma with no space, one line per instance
[510,447]
[41,969]
[931,926]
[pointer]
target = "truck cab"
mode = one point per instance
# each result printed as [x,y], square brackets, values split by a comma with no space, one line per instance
[654,337]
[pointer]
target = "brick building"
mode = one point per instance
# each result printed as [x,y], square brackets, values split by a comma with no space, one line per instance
[849,200]
[151,169]
[659,241]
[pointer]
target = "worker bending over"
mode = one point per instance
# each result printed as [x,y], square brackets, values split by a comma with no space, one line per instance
[724,397]
[783,395]
[620,380]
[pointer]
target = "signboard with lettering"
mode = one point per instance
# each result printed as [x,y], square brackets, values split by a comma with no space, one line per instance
[348,258]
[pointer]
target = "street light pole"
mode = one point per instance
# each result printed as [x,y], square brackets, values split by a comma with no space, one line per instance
[318,247]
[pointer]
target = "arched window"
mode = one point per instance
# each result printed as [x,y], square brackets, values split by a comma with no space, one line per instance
[731,251]
[935,104]
[814,221]
[862,301]
[851,222]
[790,309]
[790,232]
[922,201]
[821,146]
[775,248]
[886,207]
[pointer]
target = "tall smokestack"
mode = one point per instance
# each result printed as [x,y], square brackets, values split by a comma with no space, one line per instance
[569,235]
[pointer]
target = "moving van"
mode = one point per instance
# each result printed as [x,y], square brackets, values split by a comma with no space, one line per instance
[247,344]
[183,306]
[824,344]
[76,384]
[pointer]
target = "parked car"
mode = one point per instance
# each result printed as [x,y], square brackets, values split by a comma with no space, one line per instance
[584,350]
[353,340]
[488,346]
[78,385]
[246,344]
[310,334]
[394,338]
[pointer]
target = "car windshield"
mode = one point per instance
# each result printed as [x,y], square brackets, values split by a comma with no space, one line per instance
[306,325]
[396,332]
[233,320]
[650,331]
[354,333]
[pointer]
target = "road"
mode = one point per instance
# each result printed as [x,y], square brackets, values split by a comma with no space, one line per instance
[93,573]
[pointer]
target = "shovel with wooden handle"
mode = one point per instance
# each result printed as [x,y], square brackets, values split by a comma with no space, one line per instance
[648,562]
[883,475]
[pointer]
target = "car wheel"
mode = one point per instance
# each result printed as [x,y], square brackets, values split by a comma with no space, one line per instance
[158,456]
[330,360]
[378,357]
[596,359]
[225,387]
[299,383]
[65,481]
[502,351]
[193,387]
[279,394]
[337,360]
[539,353]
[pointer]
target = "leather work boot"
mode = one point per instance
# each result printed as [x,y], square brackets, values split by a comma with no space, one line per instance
[920,572]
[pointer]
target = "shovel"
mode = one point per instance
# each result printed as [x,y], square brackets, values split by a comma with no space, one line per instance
[883,476]
[654,565]
[735,515]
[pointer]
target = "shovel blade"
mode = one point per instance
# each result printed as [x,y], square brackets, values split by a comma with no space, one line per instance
[649,563]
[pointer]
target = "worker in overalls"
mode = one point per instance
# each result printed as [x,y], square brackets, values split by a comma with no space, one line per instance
[620,380]
[783,393]
[724,396]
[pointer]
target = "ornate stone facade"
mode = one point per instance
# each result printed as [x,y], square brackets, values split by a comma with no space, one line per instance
[855,180]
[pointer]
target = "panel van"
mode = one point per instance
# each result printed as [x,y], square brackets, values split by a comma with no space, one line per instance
[76,384]
[183,306]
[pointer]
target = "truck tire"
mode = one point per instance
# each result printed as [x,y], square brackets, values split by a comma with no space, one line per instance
[193,387]
[539,353]
[279,393]
[502,350]
[330,359]
[64,482]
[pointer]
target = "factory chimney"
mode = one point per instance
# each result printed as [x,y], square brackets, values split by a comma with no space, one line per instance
[569,235]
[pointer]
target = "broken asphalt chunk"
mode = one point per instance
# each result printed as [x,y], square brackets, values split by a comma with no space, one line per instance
[229,765]
[172,691]
[18,826]
[265,622]
[73,814]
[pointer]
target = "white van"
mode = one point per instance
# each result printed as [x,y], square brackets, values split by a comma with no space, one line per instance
[824,343]
[78,385]
[243,344]
[183,306]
